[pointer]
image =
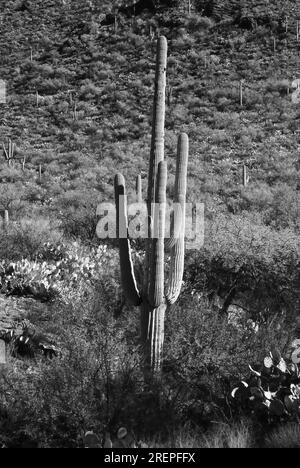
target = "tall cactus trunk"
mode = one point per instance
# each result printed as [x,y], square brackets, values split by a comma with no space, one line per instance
[139,190]
[245,176]
[5,220]
[155,339]
[156,152]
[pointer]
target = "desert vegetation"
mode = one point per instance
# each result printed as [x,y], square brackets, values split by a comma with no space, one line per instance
[102,92]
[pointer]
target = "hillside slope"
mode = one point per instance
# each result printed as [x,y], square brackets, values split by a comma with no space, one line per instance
[80,96]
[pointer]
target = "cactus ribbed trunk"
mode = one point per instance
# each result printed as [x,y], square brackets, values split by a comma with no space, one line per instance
[156,337]
[241,93]
[154,298]
[5,220]
[156,287]
[158,124]
[245,176]
[138,188]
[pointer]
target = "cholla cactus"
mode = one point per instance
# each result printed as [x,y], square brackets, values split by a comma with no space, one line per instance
[154,297]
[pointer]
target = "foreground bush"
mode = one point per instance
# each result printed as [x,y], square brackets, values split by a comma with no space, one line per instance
[53,402]
[246,262]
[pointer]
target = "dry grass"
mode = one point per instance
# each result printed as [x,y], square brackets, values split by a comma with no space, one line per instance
[223,436]
[287,436]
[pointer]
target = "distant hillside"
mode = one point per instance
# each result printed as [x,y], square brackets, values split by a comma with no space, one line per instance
[80,96]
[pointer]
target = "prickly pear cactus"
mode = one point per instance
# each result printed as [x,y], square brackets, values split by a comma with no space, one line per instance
[123,439]
[272,391]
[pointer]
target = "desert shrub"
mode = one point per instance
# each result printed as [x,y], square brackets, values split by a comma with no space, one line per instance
[195,22]
[77,213]
[11,197]
[284,211]
[203,355]
[280,87]
[25,238]
[245,260]
[90,387]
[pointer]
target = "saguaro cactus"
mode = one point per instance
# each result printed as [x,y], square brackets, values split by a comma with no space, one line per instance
[138,189]
[241,93]
[40,172]
[246,177]
[5,220]
[9,152]
[155,297]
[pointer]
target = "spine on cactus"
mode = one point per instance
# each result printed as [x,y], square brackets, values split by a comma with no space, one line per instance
[127,272]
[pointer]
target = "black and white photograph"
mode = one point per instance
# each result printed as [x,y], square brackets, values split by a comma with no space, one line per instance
[150,226]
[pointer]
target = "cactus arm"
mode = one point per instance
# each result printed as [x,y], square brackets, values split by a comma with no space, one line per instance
[176,272]
[180,191]
[177,252]
[138,188]
[6,220]
[175,226]
[246,178]
[5,152]
[127,272]
[156,287]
